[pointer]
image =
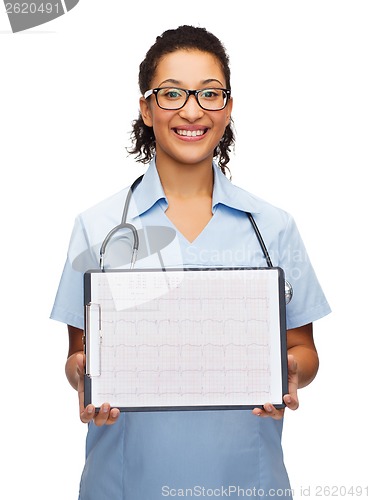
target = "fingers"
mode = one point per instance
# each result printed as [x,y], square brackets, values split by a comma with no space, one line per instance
[269,410]
[87,414]
[80,364]
[291,401]
[105,416]
[292,364]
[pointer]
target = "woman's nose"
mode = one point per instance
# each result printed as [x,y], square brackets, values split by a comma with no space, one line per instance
[191,110]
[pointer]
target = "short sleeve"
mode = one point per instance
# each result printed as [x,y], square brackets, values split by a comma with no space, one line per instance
[69,302]
[308,302]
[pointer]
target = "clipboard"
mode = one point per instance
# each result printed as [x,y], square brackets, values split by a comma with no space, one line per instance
[185,339]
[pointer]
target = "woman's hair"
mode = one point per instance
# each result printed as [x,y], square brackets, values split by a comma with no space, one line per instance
[184,37]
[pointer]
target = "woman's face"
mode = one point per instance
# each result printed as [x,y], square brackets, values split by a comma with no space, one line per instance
[188,135]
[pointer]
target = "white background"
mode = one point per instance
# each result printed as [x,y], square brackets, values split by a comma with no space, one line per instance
[302,83]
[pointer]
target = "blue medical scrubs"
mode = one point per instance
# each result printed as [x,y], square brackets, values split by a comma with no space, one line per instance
[154,455]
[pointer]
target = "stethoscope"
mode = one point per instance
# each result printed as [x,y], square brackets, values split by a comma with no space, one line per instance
[288,290]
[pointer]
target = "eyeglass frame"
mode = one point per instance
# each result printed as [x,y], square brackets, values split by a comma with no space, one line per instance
[189,92]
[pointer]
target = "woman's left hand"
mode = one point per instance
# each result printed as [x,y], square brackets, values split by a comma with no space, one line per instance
[290,399]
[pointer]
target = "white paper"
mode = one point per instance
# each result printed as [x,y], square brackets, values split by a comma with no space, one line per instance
[188,338]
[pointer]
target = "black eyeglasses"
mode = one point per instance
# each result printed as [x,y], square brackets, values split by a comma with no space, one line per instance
[173,98]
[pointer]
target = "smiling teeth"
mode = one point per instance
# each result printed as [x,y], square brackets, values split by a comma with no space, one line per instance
[190,133]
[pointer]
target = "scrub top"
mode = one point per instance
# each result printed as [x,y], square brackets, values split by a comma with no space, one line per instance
[157,454]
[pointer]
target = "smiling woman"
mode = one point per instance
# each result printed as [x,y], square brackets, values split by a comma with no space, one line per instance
[184,39]
[180,117]
[184,131]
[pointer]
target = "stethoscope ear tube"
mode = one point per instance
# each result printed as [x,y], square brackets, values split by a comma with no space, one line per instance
[260,240]
[288,290]
[123,225]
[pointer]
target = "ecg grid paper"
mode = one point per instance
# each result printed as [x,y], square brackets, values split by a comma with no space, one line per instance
[202,338]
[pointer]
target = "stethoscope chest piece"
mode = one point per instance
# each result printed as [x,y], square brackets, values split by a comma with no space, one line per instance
[288,292]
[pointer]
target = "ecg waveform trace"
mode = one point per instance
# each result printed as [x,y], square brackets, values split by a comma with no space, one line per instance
[187,339]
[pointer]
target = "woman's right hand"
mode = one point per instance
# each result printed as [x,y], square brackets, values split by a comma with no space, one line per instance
[75,369]
[106,415]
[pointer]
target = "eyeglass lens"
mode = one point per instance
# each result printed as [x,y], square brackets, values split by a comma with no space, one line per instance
[174,98]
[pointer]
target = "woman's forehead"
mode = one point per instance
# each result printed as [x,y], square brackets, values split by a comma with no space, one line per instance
[191,65]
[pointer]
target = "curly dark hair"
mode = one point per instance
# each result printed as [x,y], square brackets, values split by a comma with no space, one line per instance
[183,37]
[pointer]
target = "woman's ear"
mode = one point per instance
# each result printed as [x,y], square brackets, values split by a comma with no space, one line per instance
[229,110]
[145,111]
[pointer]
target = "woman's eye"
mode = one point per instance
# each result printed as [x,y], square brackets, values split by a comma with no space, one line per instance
[172,94]
[208,94]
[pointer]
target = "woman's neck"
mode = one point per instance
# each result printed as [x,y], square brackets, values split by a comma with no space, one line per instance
[184,180]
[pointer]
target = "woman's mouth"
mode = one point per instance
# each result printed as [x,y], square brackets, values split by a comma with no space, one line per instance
[190,132]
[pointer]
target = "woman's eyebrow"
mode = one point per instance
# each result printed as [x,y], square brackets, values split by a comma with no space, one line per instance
[170,80]
[177,82]
[210,80]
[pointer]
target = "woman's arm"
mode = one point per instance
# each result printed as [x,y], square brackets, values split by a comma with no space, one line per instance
[303,365]
[75,375]
[300,344]
[75,349]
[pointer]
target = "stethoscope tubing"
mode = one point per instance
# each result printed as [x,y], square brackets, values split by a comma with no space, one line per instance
[126,225]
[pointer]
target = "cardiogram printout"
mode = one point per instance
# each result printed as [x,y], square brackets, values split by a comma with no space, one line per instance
[185,339]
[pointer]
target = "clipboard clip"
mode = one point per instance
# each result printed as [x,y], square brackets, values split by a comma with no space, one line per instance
[93,339]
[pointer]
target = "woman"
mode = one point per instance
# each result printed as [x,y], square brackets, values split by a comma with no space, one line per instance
[149,455]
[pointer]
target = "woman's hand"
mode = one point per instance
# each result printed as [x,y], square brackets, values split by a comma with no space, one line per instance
[106,414]
[75,369]
[290,399]
[303,365]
